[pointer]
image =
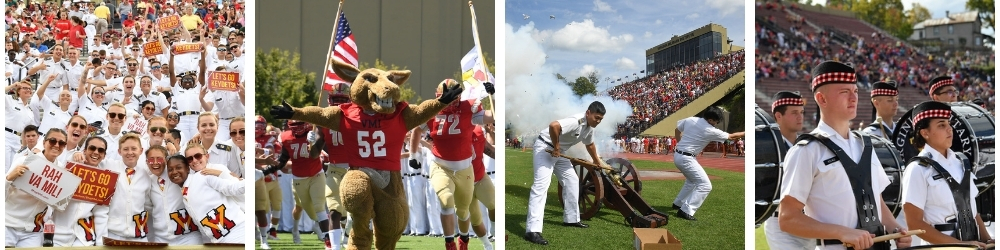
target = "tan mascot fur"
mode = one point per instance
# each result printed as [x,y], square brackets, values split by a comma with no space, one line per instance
[376,123]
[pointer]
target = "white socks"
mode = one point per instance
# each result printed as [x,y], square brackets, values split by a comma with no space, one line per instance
[335,238]
[486,243]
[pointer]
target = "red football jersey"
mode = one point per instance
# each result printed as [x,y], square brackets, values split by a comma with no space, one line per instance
[377,138]
[479,146]
[298,150]
[452,132]
[336,149]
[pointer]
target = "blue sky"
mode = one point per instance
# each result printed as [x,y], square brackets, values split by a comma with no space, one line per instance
[611,36]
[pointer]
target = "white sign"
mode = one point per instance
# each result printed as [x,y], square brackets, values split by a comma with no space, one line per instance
[50,184]
[137,125]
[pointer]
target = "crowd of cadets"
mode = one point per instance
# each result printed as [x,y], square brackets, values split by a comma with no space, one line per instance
[665,145]
[150,119]
[310,176]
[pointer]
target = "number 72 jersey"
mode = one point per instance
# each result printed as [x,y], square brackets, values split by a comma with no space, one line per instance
[452,132]
[374,141]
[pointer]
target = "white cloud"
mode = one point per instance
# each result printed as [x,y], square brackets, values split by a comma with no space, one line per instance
[648,34]
[625,64]
[600,6]
[583,71]
[658,22]
[582,36]
[693,16]
[726,6]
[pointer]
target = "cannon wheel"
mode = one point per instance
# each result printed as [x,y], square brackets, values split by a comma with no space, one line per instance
[628,173]
[591,193]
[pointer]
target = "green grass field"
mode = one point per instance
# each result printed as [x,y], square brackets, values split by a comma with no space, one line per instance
[719,225]
[309,241]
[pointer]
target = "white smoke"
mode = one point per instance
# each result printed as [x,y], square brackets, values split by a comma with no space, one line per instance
[535,97]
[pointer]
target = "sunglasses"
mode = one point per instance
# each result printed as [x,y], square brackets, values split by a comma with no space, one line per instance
[135,50]
[98,93]
[155,67]
[133,64]
[149,108]
[171,116]
[157,129]
[120,115]
[197,156]
[95,148]
[154,161]
[56,142]
[242,132]
[77,125]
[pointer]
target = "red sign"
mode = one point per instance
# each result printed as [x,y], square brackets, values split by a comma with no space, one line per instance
[181,48]
[169,23]
[226,81]
[152,49]
[96,185]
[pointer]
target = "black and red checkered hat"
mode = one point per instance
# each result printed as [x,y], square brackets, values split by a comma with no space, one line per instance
[884,89]
[786,98]
[832,72]
[931,109]
[940,82]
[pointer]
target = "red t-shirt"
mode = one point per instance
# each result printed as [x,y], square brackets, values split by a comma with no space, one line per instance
[377,138]
[74,36]
[298,150]
[63,28]
[338,151]
[451,129]
[479,146]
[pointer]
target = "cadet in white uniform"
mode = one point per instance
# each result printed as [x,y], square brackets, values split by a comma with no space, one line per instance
[938,185]
[787,109]
[24,213]
[84,223]
[694,134]
[128,216]
[209,200]
[885,100]
[816,179]
[169,221]
[230,105]
[20,113]
[55,66]
[557,138]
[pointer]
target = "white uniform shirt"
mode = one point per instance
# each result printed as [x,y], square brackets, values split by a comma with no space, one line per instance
[113,144]
[159,102]
[93,112]
[20,115]
[162,81]
[128,205]
[696,133]
[825,189]
[921,190]
[208,199]
[75,222]
[168,219]
[54,117]
[228,103]
[229,158]
[74,75]
[62,68]
[187,99]
[574,130]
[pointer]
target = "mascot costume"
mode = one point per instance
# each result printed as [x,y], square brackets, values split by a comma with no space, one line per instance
[375,123]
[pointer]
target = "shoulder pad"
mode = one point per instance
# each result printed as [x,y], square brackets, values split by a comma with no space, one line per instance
[223,147]
[921,160]
[155,93]
[582,121]
[804,139]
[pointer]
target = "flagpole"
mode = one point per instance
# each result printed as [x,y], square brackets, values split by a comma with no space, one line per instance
[475,37]
[329,51]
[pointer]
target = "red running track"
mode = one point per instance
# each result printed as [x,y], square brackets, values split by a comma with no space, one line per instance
[709,160]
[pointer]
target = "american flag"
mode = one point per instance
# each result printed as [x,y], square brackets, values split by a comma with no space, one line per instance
[344,50]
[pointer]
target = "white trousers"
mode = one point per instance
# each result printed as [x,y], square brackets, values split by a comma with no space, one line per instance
[545,165]
[696,184]
[418,201]
[777,239]
[223,134]
[13,144]
[21,238]
[188,125]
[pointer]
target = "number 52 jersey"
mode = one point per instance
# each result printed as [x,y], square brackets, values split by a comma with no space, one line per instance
[377,139]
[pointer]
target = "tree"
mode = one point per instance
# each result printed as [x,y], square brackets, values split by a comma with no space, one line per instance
[885,14]
[917,13]
[278,77]
[405,92]
[986,13]
[583,86]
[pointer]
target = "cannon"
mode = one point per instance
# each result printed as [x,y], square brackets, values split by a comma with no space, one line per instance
[616,185]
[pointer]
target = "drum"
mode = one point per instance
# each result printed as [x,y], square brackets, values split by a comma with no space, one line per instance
[974,135]
[893,166]
[767,165]
[944,247]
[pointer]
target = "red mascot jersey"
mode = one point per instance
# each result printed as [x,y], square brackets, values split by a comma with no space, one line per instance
[338,151]
[298,152]
[376,139]
[452,132]
[479,146]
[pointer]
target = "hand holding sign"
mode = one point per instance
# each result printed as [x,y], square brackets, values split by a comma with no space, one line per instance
[168,23]
[152,49]
[97,185]
[182,48]
[17,172]
[50,184]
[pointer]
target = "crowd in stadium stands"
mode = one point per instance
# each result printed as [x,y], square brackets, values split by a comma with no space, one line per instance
[790,57]
[654,97]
